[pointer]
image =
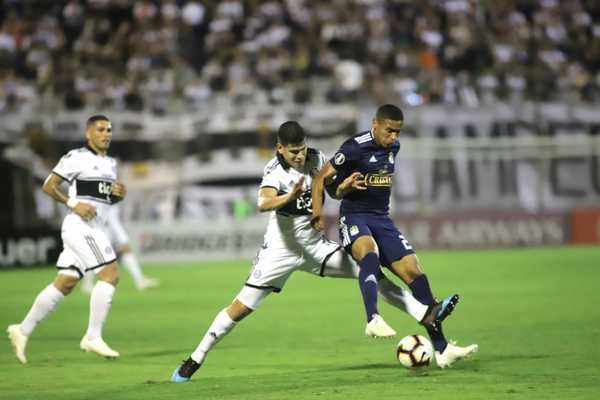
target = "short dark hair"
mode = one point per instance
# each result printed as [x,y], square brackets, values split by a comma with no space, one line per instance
[389,111]
[94,118]
[290,132]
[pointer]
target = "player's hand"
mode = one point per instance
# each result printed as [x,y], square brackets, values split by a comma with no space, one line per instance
[119,189]
[298,189]
[85,211]
[356,181]
[317,222]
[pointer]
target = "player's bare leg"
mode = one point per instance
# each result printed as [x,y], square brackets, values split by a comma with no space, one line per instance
[223,323]
[341,265]
[409,270]
[100,303]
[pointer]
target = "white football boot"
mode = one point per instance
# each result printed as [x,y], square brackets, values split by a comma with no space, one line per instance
[147,283]
[378,328]
[453,353]
[98,346]
[18,341]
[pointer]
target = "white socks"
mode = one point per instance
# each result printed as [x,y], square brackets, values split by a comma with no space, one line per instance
[44,304]
[100,303]
[401,299]
[131,264]
[217,330]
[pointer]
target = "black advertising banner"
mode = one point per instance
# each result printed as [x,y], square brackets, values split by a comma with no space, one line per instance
[29,248]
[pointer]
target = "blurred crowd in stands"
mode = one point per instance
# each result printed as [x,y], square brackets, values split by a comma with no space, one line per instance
[181,54]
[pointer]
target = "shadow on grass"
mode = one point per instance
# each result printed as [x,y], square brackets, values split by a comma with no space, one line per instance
[362,367]
[181,353]
[516,356]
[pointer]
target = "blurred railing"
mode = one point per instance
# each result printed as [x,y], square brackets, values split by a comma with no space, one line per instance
[533,157]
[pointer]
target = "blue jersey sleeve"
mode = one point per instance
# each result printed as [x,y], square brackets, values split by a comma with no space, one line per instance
[347,155]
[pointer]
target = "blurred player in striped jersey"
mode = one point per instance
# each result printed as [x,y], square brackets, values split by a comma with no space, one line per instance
[120,240]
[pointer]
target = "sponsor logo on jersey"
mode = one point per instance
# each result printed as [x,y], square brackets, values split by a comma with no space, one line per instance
[354,230]
[372,159]
[379,179]
[339,159]
[104,188]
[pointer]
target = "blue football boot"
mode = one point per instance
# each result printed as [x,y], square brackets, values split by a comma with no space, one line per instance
[438,312]
[184,372]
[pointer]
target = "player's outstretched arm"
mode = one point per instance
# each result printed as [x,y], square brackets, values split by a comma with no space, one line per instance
[268,200]
[52,188]
[327,173]
[356,181]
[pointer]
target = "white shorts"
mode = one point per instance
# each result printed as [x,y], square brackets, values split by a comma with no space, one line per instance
[85,247]
[117,234]
[274,265]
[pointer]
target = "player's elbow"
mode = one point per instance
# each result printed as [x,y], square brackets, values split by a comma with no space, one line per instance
[261,205]
[48,187]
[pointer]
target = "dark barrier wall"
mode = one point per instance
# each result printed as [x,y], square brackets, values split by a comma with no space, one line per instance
[34,247]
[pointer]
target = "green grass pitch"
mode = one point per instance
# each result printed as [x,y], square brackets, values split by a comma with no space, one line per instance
[534,312]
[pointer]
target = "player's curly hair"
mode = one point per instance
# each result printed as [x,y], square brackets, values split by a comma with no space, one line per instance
[389,111]
[290,132]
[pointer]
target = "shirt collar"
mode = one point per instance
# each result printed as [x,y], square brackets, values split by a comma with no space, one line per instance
[284,164]
[87,146]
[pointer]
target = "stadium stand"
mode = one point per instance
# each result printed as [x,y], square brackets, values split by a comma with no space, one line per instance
[178,55]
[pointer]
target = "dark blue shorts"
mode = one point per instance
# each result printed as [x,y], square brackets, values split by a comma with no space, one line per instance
[391,242]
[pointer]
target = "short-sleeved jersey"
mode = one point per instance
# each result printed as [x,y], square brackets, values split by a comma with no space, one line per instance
[361,154]
[90,176]
[292,221]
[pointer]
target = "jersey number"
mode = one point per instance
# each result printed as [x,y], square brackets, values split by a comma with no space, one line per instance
[304,202]
[405,243]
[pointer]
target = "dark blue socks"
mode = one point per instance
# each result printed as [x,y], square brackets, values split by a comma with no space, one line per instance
[367,280]
[422,292]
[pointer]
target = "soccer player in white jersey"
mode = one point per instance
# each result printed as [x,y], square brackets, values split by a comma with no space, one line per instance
[93,188]
[120,241]
[291,244]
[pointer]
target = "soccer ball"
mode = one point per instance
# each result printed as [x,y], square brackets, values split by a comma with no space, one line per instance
[414,351]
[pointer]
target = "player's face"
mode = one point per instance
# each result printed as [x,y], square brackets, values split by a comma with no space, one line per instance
[386,131]
[99,135]
[294,154]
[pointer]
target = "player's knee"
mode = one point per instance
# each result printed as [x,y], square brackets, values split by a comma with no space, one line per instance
[408,268]
[109,274]
[65,287]
[114,280]
[237,311]
[251,298]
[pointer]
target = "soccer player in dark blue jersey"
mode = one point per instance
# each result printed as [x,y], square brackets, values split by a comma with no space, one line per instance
[364,166]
